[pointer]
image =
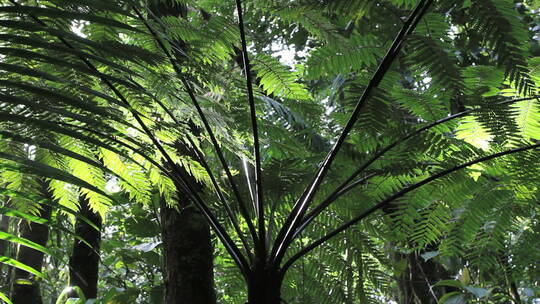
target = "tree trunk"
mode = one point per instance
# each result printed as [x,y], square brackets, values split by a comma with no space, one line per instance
[4,226]
[84,260]
[189,276]
[189,272]
[187,243]
[25,288]
[264,286]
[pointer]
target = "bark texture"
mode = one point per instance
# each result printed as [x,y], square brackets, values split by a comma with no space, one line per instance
[84,260]
[189,277]
[25,289]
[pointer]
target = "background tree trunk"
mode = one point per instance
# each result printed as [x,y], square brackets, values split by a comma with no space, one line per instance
[4,225]
[84,260]
[187,243]
[4,277]
[189,276]
[25,288]
[415,284]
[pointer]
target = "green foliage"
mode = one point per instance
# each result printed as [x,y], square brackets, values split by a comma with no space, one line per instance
[276,79]
[102,100]
[349,56]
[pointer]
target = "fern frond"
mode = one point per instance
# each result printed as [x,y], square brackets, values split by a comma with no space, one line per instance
[432,57]
[494,19]
[349,56]
[276,79]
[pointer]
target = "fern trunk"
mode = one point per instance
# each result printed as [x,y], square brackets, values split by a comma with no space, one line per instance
[25,288]
[264,286]
[84,260]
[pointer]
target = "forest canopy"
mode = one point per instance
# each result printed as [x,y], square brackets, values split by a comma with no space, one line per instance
[269,151]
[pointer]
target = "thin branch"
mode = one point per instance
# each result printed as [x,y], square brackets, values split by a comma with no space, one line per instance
[225,238]
[245,167]
[219,193]
[397,195]
[345,187]
[218,228]
[284,237]
[232,183]
[254,127]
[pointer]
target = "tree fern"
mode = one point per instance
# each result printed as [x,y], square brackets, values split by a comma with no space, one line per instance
[436,124]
